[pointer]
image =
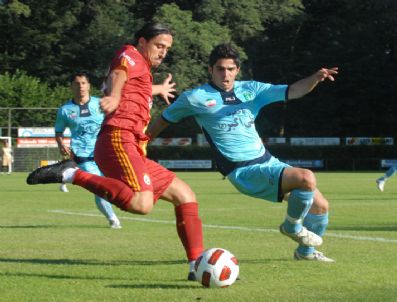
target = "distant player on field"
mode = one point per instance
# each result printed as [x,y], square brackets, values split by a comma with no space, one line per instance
[381,181]
[133,182]
[84,117]
[226,109]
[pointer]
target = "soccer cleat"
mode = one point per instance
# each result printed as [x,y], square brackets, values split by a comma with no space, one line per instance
[315,256]
[63,188]
[304,237]
[380,184]
[115,223]
[50,174]
[191,276]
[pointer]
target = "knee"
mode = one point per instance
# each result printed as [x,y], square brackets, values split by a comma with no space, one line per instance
[320,204]
[308,180]
[185,196]
[141,204]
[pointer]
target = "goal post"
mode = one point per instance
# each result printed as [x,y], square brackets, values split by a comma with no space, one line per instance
[6,154]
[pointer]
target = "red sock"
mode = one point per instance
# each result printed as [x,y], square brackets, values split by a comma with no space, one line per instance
[113,190]
[189,228]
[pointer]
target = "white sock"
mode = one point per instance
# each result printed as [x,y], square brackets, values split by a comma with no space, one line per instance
[191,266]
[68,175]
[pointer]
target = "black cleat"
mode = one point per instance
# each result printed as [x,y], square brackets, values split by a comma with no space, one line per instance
[191,277]
[50,174]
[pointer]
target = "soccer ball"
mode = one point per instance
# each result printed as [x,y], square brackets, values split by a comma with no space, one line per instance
[216,267]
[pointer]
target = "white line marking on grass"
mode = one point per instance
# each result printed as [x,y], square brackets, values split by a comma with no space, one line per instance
[229,227]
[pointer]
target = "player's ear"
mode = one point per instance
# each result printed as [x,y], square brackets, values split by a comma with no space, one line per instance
[210,69]
[141,41]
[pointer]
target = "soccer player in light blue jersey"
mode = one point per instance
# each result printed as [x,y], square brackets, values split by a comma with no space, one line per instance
[226,109]
[381,181]
[83,116]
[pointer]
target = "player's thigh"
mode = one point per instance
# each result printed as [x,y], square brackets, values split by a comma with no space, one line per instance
[119,156]
[161,178]
[297,178]
[260,180]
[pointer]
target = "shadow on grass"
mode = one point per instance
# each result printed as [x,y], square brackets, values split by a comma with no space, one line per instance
[91,262]
[53,276]
[365,228]
[53,226]
[156,286]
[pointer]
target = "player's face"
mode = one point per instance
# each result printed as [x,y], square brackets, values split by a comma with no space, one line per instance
[80,88]
[223,73]
[155,49]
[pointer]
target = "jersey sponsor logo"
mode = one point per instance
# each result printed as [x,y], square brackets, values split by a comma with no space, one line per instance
[248,95]
[72,114]
[146,179]
[210,102]
[128,58]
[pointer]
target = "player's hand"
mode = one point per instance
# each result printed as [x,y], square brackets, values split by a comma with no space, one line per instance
[109,104]
[166,89]
[65,151]
[325,73]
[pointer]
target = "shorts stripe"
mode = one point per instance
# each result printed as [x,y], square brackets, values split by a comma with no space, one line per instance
[124,160]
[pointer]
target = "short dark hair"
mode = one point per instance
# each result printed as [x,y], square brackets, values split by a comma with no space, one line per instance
[224,51]
[80,74]
[151,30]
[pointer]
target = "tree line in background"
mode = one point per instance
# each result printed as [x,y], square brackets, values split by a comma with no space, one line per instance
[44,41]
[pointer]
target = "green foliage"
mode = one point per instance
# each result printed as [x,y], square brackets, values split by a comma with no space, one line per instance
[23,91]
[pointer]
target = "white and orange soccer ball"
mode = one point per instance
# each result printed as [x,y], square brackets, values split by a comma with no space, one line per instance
[216,267]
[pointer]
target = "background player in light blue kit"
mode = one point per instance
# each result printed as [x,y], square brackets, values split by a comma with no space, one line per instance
[381,181]
[83,116]
[225,110]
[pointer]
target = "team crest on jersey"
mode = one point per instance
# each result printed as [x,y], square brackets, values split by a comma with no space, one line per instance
[210,103]
[72,114]
[146,179]
[248,95]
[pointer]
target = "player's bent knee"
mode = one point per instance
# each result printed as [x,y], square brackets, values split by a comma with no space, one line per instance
[308,180]
[141,203]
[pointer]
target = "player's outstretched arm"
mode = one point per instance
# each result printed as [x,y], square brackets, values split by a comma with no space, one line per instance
[304,86]
[155,128]
[165,90]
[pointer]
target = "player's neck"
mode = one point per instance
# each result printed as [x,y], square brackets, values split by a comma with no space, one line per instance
[81,100]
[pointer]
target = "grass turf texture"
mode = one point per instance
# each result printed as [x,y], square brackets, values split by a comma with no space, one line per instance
[57,247]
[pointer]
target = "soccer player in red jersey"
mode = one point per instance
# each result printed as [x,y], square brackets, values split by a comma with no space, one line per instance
[132,181]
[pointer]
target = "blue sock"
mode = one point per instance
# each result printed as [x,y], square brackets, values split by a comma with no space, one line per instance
[317,223]
[299,203]
[104,207]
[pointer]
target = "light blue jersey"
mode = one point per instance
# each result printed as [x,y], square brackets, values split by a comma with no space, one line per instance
[84,122]
[228,118]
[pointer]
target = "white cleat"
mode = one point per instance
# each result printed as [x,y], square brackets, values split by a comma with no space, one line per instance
[315,256]
[304,237]
[63,188]
[115,223]
[380,184]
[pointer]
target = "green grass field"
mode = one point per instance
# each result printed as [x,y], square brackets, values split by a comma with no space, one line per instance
[57,247]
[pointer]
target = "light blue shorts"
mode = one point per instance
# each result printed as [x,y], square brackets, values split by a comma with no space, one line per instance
[90,167]
[260,180]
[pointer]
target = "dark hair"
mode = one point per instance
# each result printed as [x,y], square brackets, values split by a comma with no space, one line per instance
[79,74]
[224,51]
[151,30]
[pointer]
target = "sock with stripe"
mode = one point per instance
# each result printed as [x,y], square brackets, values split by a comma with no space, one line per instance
[299,203]
[317,223]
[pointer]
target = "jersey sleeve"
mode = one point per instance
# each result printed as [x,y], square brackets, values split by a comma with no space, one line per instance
[269,93]
[60,123]
[128,62]
[178,110]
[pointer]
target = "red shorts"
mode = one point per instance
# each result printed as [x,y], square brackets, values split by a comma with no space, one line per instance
[118,155]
